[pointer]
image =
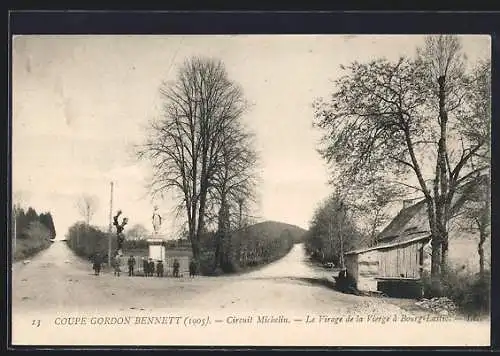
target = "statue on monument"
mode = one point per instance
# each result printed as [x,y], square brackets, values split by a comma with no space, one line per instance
[119,230]
[156,221]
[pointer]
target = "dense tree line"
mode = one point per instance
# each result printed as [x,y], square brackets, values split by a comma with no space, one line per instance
[26,219]
[255,251]
[333,231]
[33,231]
[86,240]
[250,248]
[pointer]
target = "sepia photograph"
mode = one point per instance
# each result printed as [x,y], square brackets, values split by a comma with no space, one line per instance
[251,190]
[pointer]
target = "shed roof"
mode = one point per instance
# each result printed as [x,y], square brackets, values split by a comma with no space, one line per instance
[416,237]
[411,219]
[414,218]
[412,224]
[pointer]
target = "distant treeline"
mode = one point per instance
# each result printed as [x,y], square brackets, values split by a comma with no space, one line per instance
[143,244]
[33,232]
[86,241]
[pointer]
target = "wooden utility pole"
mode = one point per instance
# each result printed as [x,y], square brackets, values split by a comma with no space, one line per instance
[110,229]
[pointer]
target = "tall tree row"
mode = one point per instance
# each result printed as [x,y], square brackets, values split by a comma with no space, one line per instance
[27,219]
[419,121]
[333,231]
[200,150]
[31,232]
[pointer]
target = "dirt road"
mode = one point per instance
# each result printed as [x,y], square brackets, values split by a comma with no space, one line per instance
[57,279]
[56,282]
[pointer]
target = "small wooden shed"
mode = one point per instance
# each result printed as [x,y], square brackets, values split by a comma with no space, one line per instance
[401,260]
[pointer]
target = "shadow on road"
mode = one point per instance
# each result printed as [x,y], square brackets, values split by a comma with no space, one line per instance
[323,282]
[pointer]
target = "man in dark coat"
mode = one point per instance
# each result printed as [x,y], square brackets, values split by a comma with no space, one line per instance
[97,263]
[151,267]
[131,265]
[159,269]
[192,268]
[145,266]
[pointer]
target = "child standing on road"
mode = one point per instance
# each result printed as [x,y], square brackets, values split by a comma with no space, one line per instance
[176,267]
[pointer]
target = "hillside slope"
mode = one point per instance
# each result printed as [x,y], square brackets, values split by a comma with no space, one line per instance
[269,230]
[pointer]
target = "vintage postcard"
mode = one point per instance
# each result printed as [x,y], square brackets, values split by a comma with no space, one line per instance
[251,190]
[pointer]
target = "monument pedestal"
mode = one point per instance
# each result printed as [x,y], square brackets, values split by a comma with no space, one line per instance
[156,249]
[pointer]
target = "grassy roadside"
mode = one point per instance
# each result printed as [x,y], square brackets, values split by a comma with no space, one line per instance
[27,248]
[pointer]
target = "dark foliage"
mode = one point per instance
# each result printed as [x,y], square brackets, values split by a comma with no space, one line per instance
[87,240]
[33,232]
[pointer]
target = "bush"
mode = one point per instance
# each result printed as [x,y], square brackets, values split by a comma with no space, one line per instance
[135,244]
[468,291]
[87,240]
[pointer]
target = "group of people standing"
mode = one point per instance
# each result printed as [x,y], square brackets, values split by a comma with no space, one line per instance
[150,268]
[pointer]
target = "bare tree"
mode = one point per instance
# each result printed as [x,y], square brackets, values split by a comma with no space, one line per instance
[87,206]
[233,187]
[184,144]
[401,118]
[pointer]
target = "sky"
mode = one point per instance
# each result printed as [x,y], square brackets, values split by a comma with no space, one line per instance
[80,104]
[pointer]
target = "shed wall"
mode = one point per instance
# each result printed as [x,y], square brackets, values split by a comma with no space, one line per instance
[351,264]
[400,261]
[368,270]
